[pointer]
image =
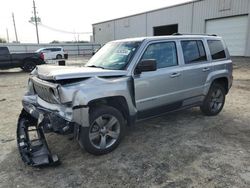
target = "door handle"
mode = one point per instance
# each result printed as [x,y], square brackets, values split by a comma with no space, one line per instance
[176,74]
[205,69]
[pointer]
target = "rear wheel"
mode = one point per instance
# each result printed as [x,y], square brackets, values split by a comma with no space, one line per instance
[28,66]
[214,100]
[105,132]
[59,56]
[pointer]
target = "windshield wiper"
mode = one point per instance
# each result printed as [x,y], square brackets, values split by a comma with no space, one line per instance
[95,66]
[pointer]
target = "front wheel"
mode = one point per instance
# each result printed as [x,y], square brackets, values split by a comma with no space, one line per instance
[107,128]
[214,100]
[59,56]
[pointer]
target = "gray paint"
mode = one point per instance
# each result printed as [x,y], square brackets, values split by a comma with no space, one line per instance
[151,89]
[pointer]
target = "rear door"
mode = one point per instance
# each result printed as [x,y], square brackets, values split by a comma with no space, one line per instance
[195,69]
[5,58]
[158,89]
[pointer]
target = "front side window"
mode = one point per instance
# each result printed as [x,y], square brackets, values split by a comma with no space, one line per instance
[217,49]
[164,53]
[193,51]
[114,55]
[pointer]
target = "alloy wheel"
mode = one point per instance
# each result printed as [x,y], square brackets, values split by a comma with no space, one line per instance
[216,101]
[104,131]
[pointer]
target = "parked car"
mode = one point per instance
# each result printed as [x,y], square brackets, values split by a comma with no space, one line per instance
[53,53]
[25,61]
[125,81]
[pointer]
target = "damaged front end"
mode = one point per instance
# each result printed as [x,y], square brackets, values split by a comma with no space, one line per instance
[58,101]
[42,113]
[34,151]
[33,122]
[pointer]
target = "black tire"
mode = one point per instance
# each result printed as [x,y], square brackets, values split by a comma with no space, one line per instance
[29,66]
[58,56]
[95,130]
[214,100]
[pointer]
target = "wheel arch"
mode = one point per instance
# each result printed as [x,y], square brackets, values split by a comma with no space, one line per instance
[223,77]
[59,55]
[223,81]
[118,102]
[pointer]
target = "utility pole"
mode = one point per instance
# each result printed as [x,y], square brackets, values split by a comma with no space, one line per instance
[35,19]
[7,32]
[14,23]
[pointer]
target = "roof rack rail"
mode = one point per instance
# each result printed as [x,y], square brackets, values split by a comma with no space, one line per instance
[176,34]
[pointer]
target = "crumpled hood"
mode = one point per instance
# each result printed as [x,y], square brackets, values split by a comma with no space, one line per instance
[48,72]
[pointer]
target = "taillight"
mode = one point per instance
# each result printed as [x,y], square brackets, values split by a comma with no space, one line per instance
[42,56]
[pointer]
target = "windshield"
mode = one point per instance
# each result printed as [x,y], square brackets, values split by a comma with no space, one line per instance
[114,55]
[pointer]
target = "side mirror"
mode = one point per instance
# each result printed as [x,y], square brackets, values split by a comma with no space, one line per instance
[146,65]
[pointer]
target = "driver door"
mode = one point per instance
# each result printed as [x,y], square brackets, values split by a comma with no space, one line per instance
[160,89]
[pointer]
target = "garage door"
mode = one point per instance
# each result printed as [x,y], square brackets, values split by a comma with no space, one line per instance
[233,30]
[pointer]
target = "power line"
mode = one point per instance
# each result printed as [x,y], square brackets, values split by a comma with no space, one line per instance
[63,31]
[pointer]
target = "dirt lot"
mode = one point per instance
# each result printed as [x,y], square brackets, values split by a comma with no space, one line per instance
[182,149]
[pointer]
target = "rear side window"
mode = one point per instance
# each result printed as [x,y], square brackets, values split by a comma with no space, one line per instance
[217,49]
[193,51]
[164,53]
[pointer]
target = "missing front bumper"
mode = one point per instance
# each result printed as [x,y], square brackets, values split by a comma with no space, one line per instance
[39,120]
[34,152]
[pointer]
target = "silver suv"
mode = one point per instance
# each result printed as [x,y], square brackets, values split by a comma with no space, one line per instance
[125,81]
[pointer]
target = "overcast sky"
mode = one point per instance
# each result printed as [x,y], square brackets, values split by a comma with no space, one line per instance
[68,15]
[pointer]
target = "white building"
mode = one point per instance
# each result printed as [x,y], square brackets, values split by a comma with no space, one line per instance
[227,18]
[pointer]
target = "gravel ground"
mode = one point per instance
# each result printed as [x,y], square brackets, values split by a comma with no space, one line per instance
[182,149]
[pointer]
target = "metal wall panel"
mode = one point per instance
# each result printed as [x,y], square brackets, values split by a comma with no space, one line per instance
[181,15]
[104,32]
[211,9]
[233,30]
[130,27]
[190,17]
